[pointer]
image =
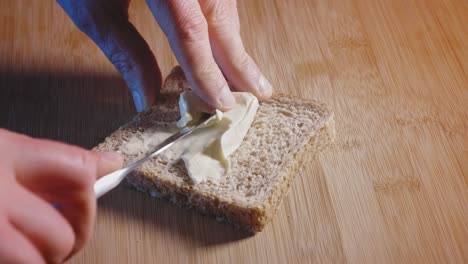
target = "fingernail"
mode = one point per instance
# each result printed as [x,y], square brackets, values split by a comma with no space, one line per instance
[265,87]
[108,162]
[138,100]
[110,157]
[226,99]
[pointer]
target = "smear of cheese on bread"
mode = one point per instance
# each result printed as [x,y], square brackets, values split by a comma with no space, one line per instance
[205,151]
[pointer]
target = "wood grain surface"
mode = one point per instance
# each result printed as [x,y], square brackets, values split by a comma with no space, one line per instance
[393,189]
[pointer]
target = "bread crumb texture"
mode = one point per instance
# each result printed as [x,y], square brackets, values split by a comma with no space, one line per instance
[285,132]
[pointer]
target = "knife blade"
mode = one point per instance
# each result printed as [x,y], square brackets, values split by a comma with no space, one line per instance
[110,181]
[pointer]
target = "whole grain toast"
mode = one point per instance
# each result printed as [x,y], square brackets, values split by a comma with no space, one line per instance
[284,132]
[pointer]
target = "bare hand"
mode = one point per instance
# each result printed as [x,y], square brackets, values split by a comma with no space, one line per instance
[47,203]
[204,36]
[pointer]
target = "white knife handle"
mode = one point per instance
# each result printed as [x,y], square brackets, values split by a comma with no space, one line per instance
[109,182]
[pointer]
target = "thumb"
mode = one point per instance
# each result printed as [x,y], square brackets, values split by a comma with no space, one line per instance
[108,162]
[61,174]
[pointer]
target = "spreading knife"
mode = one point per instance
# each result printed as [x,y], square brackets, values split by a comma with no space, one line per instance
[110,181]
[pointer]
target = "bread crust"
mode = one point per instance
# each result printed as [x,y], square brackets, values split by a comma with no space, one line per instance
[244,216]
[251,219]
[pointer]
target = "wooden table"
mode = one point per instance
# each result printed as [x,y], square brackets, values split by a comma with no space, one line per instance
[393,189]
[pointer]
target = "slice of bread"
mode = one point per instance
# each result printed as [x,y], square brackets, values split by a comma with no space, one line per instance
[284,132]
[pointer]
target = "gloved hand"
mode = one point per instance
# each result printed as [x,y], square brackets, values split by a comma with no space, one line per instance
[204,36]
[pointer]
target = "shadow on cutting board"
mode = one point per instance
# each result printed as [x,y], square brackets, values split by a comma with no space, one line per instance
[196,229]
[72,108]
[83,110]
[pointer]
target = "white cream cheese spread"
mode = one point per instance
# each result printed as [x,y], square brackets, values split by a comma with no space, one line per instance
[205,151]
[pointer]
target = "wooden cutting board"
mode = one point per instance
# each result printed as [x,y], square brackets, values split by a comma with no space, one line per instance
[393,189]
